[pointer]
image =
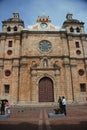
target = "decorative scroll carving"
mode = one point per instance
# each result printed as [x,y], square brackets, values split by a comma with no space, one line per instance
[34,64]
[56,65]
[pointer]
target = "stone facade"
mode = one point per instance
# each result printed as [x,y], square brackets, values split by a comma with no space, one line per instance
[41,63]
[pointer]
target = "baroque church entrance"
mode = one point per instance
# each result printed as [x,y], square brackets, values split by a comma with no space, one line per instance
[46,90]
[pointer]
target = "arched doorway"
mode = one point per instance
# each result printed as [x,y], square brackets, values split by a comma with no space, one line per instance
[46,91]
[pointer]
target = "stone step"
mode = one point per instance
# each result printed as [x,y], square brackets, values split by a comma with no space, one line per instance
[4,116]
[53,115]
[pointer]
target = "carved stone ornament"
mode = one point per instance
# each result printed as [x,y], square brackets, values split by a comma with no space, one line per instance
[55,65]
[34,73]
[34,64]
[57,72]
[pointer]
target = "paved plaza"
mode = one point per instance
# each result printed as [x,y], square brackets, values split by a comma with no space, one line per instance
[36,118]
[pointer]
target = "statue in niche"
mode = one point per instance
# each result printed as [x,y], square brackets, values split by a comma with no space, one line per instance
[45,63]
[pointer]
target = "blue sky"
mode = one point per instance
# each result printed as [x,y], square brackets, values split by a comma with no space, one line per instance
[29,10]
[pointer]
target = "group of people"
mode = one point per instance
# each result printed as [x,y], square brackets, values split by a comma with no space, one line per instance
[62,104]
[4,106]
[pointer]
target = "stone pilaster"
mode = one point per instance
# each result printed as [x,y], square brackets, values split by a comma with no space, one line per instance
[57,86]
[65,45]
[15,84]
[24,88]
[34,89]
[68,88]
[75,83]
[1,77]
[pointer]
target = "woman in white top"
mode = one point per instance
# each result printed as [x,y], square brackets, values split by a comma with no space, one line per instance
[7,107]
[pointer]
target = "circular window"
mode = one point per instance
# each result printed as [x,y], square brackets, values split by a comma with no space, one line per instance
[45,46]
[78,52]
[7,73]
[9,52]
[43,25]
[81,72]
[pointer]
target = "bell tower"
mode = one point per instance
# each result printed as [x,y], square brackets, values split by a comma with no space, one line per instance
[73,26]
[14,24]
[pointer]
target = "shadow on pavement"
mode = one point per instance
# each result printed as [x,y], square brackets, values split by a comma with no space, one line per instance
[21,126]
[33,126]
[81,126]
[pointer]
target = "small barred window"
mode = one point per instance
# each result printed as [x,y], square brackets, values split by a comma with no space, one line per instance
[77,44]
[6,88]
[9,43]
[83,87]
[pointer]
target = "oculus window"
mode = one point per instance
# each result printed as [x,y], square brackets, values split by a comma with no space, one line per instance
[81,72]
[7,73]
[78,52]
[45,46]
[43,25]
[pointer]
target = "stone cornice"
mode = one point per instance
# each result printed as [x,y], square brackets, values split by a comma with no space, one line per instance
[28,32]
[77,35]
[43,32]
[40,57]
[46,69]
[5,35]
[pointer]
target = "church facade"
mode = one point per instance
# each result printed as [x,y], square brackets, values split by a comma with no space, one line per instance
[40,63]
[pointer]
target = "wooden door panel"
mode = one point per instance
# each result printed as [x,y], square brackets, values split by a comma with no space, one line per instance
[46,93]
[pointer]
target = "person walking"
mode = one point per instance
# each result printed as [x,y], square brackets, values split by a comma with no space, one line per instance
[64,105]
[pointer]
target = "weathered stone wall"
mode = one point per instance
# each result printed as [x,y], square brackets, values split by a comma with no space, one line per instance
[26,64]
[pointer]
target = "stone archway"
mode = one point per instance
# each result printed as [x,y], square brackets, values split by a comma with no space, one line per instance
[46,90]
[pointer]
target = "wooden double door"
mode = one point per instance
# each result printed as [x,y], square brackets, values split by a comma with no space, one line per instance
[46,90]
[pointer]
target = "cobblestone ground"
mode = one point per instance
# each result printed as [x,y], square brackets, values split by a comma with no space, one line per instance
[36,118]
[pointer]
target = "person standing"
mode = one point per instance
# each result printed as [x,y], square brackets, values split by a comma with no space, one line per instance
[64,105]
[7,107]
[2,107]
[60,102]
